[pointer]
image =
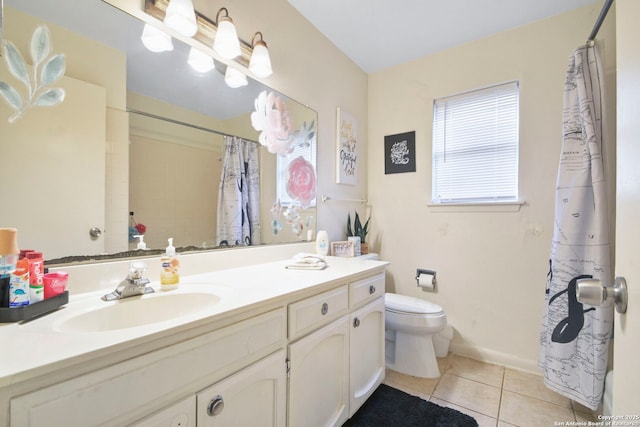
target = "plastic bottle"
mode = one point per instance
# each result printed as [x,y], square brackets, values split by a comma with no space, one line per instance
[36,276]
[19,285]
[169,275]
[141,244]
[322,243]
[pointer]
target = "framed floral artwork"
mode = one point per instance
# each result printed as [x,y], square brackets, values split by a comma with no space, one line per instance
[346,148]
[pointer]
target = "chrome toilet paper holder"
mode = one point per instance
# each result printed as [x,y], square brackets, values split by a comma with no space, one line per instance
[431,273]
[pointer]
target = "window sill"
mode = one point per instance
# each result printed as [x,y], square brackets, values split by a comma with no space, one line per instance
[477,207]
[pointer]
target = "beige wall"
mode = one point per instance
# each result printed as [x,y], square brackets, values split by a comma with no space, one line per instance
[491,266]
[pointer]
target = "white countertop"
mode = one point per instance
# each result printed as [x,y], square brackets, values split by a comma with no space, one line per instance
[36,347]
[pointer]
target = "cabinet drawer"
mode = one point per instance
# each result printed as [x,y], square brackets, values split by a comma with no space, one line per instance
[308,315]
[365,290]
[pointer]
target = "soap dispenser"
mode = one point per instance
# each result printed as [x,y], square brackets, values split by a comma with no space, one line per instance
[141,244]
[169,276]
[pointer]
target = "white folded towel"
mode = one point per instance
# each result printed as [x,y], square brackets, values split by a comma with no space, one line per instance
[307,261]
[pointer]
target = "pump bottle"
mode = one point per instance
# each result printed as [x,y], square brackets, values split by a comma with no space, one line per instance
[169,275]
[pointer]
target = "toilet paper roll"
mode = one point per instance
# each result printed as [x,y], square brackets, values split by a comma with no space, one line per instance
[426,281]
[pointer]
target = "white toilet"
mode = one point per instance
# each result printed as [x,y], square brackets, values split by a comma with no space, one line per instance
[411,324]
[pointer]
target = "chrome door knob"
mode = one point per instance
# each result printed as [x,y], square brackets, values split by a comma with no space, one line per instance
[593,292]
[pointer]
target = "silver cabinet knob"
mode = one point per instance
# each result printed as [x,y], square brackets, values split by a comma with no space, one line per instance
[593,292]
[215,406]
[325,308]
[356,322]
[372,290]
[95,232]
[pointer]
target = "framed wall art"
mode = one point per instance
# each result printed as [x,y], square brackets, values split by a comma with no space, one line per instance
[343,249]
[346,148]
[400,153]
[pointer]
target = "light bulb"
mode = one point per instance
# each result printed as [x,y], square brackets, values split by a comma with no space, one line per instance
[181,17]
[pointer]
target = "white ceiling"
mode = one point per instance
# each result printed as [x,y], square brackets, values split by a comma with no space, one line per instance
[378,34]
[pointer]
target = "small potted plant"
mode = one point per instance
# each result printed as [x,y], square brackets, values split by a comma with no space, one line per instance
[358,230]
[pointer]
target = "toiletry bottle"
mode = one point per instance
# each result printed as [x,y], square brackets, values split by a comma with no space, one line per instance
[19,285]
[322,243]
[36,276]
[141,244]
[169,276]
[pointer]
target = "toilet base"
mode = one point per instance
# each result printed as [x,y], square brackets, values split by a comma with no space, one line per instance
[411,354]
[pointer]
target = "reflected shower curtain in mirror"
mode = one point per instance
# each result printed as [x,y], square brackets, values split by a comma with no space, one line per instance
[238,221]
[574,342]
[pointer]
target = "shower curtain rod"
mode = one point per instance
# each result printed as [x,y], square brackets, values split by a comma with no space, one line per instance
[596,27]
[178,122]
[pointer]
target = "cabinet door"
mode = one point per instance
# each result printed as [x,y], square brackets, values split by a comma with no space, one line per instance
[366,353]
[319,377]
[182,414]
[255,396]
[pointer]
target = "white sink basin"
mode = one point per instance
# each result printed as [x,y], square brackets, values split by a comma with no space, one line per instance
[139,311]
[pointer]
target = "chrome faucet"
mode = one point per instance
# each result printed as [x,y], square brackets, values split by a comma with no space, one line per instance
[135,283]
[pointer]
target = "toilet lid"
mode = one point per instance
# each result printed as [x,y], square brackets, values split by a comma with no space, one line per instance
[407,304]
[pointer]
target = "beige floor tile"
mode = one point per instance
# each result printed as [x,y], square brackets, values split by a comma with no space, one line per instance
[581,408]
[486,373]
[526,411]
[444,363]
[470,394]
[585,416]
[503,424]
[483,420]
[421,387]
[532,385]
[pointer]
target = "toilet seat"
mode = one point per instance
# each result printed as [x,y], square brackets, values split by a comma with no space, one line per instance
[403,304]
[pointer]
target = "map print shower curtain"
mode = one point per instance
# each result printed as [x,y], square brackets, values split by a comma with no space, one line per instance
[574,342]
[238,219]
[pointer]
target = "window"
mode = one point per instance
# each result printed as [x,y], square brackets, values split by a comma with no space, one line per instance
[475,146]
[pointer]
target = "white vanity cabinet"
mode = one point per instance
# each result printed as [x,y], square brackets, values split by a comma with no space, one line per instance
[303,358]
[255,396]
[335,368]
[319,362]
[125,392]
[366,339]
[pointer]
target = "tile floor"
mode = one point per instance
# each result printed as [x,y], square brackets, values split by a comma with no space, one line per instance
[494,395]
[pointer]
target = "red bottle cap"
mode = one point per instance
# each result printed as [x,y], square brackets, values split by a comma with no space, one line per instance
[33,255]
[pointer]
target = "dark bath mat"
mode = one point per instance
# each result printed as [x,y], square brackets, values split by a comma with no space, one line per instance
[389,407]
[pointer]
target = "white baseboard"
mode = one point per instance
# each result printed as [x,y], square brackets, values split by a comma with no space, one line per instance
[491,356]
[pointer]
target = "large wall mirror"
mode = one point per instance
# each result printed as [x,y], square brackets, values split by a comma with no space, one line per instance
[140,144]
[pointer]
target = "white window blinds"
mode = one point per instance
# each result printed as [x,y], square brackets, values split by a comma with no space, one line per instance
[475,146]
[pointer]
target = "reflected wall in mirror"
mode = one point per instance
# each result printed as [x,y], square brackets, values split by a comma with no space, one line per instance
[89,162]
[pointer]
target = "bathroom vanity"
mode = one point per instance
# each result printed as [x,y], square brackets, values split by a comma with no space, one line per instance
[256,345]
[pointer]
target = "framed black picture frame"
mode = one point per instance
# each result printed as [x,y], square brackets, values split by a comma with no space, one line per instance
[400,153]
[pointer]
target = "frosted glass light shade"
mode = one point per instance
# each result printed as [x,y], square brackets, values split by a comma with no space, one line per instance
[234,78]
[226,42]
[181,17]
[260,63]
[200,61]
[155,39]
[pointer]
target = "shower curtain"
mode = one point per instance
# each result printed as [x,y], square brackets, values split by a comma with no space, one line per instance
[574,341]
[238,220]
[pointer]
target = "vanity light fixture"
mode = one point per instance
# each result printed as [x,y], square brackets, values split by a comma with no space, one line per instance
[181,17]
[260,63]
[226,42]
[155,39]
[235,78]
[220,35]
[200,61]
